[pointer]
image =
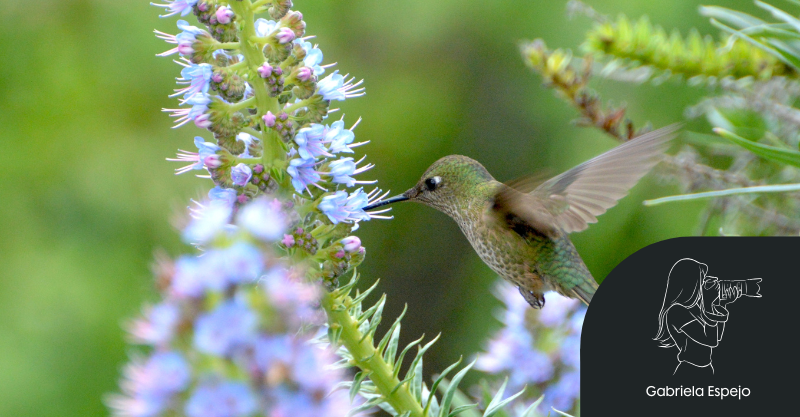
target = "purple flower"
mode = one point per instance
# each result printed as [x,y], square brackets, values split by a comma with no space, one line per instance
[340,207]
[224,15]
[198,113]
[241,174]
[287,403]
[563,394]
[157,326]
[225,328]
[335,87]
[303,173]
[295,300]
[149,386]
[183,7]
[263,219]
[311,141]
[221,399]
[558,309]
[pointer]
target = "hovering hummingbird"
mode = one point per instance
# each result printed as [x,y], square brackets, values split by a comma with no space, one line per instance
[520,229]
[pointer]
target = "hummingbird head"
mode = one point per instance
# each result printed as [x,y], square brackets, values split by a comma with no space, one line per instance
[446,185]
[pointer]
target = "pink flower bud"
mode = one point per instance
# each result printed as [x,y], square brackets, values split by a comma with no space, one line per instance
[202,121]
[224,15]
[304,74]
[351,243]
[265,70]
[285,35]
[241,198]
[339,255]
[258,168]
[217,77]
[212,162]
[288,240]
[269,119]
[185,49]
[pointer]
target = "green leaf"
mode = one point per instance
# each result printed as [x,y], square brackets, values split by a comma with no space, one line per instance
[496,404]
[388,344]
[460,409]
[447,398]
[366,406]
[399,362]
[778,188]
[733,17]
[788,59]
[785,156]
[359,298]
[562,413]
[780,14]
[356,386]
[418,358]
[439,381]
[532,409]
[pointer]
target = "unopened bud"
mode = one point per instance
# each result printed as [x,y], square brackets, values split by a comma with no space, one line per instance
[265,70]
[351,243]
[304,74]
[285,35]
[269,119]
[224,15]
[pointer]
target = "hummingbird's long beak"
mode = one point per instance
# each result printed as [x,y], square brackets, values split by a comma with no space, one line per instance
[390,200]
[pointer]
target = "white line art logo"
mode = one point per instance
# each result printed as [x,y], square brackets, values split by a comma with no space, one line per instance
[694,312]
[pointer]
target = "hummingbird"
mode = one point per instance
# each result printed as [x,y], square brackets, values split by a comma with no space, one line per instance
[520,229]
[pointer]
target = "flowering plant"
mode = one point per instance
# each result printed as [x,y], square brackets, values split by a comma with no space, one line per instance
[261,319]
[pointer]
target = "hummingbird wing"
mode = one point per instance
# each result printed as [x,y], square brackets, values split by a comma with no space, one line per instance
[574,199]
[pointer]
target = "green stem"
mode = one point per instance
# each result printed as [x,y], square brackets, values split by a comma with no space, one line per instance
[225,45]
[367,358]
[243,104]
[273,149]
[295,106]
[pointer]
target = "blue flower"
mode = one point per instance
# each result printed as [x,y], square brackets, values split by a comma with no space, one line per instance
[265,27]
[221,399]
[243,263]
[208,221]
[339,137]
[340,207]
[185,40]
[335,87]
[198,76]
[263,219]
[563,394]
[295,301]
[304,173]
[342,169]
[241,174]
[311,141]
[313,56]
[225,196]
[183,7]
[157,326]
[287,403]
[197,113]
[229,326]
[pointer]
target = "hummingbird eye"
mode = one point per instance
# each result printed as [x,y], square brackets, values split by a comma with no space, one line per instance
[432,183]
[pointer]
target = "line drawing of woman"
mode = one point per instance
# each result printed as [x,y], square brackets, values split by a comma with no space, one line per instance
[692,316]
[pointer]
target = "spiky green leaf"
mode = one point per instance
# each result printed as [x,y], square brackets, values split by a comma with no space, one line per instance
[439,381]
[447,398]
[785,156]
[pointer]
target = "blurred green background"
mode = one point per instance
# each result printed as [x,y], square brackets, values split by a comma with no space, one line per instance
[87,196]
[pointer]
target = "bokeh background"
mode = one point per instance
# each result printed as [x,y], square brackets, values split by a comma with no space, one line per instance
[86,196]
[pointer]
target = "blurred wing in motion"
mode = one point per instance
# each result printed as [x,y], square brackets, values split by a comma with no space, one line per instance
[574,199]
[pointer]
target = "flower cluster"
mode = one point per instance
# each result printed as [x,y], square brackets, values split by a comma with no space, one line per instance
[538,348]
[227,337]
[233,333]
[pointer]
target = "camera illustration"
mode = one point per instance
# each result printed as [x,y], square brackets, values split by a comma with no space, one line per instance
[733,289]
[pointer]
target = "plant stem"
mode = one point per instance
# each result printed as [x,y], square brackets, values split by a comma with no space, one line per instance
[367,358]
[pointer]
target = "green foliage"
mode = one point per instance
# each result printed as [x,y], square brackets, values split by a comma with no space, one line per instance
[377,380]
[641,43]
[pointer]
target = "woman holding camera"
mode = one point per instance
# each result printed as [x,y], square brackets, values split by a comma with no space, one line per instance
[693,316]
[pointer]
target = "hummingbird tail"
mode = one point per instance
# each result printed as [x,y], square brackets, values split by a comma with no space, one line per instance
[585,291]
